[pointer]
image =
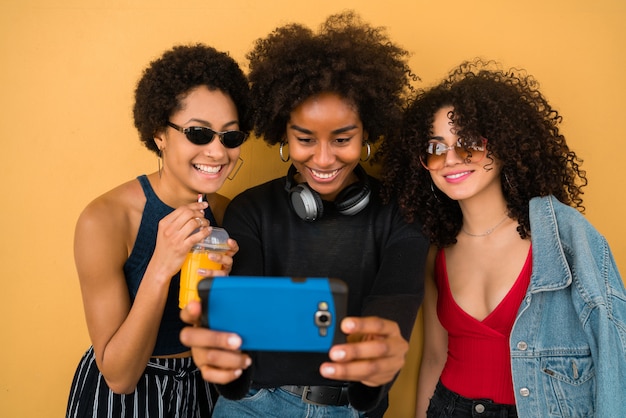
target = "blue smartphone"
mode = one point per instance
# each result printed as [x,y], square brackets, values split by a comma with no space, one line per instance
[276,313]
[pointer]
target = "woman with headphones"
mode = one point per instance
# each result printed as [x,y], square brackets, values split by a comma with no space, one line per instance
[323,99]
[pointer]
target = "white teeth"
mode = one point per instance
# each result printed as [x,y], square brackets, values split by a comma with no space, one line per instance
[324,175]
[457,175]
[209,169]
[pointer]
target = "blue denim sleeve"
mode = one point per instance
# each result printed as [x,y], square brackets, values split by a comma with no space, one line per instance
[606,326]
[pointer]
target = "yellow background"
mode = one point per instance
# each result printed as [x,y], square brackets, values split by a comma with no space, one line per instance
[67,73]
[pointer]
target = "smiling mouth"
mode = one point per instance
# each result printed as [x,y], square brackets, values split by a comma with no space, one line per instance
[457,175]
[208,169]
[324,175]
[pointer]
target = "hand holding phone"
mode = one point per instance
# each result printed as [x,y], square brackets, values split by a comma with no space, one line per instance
[276,313]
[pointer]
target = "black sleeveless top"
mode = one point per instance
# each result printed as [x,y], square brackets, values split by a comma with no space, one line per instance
[168,341]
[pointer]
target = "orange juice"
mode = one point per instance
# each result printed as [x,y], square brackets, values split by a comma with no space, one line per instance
[197,258]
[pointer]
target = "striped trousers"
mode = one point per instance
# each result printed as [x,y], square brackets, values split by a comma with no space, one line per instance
[169,388]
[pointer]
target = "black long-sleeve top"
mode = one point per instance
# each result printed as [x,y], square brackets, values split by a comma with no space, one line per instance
[378,255]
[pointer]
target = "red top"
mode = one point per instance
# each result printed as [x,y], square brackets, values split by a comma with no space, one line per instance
[479,363]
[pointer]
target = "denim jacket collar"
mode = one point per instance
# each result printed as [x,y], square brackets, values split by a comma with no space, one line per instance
[547,251]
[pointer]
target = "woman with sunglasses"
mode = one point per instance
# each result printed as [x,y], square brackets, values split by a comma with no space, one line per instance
[191,110]
[524,310]
[322,98]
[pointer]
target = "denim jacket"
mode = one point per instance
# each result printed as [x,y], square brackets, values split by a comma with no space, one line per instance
[568,343]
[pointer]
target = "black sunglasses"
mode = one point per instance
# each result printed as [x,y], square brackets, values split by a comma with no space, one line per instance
[201,135]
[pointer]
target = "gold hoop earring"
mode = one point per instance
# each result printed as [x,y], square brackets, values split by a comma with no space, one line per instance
[369,152]
[236,169]
[280,152]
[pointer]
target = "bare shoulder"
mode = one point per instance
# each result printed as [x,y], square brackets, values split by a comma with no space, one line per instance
[114,213]
[218,204]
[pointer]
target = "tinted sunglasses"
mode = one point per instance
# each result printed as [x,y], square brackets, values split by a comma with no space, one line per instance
[434,157]
[201,135]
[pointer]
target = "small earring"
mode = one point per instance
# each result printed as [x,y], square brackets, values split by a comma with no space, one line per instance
[280,152]
[432,189]
[236,169]
[506,178]
[369,152]
[160,162]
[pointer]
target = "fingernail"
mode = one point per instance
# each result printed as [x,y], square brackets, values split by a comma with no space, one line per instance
[234,341]
[328,370]
[349,325]
[337,354]
[238,372]
[248,362]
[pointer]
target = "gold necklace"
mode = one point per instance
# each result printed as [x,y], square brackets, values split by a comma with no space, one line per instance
[487,232]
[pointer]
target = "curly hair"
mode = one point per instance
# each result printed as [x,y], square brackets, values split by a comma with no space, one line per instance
[522,131]
[347,57]
[167,80]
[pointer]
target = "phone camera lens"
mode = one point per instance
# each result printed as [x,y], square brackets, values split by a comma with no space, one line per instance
[322,318]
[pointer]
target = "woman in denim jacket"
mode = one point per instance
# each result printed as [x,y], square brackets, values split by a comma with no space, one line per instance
[524,310]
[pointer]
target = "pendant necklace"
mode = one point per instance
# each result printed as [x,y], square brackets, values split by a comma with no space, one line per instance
[487,232]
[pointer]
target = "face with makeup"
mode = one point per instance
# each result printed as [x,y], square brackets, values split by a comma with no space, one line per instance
[325,136]
[461,179]
[192,167]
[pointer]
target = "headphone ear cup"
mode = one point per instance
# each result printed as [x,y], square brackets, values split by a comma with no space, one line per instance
[353,198]
[306,202]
